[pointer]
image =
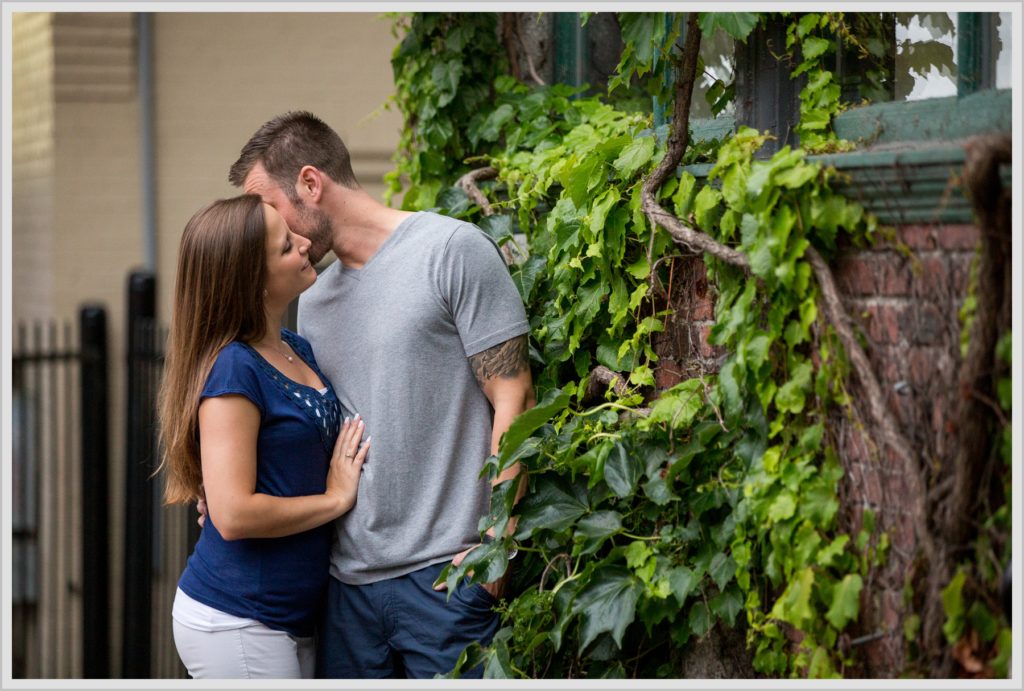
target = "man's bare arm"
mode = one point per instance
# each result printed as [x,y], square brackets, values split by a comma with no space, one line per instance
[506,360]
[503,373]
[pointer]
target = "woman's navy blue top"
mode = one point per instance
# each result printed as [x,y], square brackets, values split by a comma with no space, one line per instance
[281,581]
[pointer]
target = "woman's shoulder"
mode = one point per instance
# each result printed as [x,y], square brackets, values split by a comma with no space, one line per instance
[233,354]
[235,363]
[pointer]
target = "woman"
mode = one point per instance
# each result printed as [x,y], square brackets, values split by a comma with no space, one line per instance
[248,418]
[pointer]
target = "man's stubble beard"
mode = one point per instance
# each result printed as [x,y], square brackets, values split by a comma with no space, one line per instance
[319,231]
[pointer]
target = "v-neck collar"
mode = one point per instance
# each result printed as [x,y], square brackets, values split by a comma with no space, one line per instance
[383,250]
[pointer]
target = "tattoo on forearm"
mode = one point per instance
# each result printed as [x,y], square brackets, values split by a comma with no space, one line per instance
[505,360]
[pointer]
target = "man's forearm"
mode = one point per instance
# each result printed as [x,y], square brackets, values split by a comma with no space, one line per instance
[503,372]
[504,413]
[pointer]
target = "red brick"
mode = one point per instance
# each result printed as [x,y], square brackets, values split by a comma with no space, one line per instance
[667,373]
[900,407]
[883,324]
[958,237]
[941,414]
[929,325]
[854,475]
[855,447]
[871,489]
[855,275]
[922,366]
[890,365]
[918,237]
[703,308]
[706,349]
[895,276]
[934,277]
[960,270]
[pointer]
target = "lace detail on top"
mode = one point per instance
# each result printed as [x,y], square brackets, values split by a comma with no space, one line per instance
[323,409]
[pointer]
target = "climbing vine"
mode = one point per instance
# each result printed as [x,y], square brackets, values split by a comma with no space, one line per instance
[650,519]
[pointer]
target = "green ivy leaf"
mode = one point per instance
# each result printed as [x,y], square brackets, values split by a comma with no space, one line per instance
[791,397]
[683,581]
[845,601]
[828,554]
[821,666]
[607,604]
[552,505]
[953,604]
[577,176]
[637,554]
[813,47]
[705,206]
[727,604]
[658,491]
[730,389]
[982,621]
[794,606]
[530,420]
[634,156]
[783,507]
[526,274]
[677,406]
[600,524]
[699,619]
[737,24]
[499,226]
[621,471]
[499,662]
[599,211]
[722,569]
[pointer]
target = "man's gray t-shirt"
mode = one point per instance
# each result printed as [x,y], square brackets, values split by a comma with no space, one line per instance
[394,338]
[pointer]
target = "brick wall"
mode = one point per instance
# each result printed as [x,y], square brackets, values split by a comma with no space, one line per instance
[904,294]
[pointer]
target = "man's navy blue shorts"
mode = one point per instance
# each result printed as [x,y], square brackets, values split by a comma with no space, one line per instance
[401,627]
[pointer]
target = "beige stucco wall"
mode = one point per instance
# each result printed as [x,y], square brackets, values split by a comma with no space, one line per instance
[218,77]
[32,164]
[76,164]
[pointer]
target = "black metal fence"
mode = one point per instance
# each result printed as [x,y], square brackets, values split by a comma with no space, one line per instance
[62,537]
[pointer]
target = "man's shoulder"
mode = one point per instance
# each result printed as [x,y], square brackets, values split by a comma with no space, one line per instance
[438,225]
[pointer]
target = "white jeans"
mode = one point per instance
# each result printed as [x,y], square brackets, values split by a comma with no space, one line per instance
[251,652]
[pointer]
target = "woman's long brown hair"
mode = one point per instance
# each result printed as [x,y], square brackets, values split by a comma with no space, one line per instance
[218,298]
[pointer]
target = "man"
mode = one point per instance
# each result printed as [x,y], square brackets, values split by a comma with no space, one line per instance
[420,329]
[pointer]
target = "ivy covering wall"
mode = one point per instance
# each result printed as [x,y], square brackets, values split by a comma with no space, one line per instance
[654,517]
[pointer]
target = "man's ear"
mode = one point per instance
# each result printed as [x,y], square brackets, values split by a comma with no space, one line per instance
[309,185]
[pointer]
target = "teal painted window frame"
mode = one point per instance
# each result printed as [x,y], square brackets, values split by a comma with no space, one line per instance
[907,168]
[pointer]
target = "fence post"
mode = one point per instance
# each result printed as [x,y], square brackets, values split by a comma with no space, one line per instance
[92,329]
[138,562]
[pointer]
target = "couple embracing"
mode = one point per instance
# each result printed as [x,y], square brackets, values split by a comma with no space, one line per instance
[338,467]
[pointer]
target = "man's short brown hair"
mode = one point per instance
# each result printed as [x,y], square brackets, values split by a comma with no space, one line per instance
[288,142]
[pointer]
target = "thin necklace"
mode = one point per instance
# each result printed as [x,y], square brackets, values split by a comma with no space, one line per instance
[289,357]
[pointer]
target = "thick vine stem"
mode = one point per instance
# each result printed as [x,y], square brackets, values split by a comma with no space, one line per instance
[975,435]
[891,437]
[971,458]
[600,378]
[678,140]
[677,143]
[468,183]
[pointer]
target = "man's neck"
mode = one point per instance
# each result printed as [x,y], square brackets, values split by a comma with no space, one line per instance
[361,226]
